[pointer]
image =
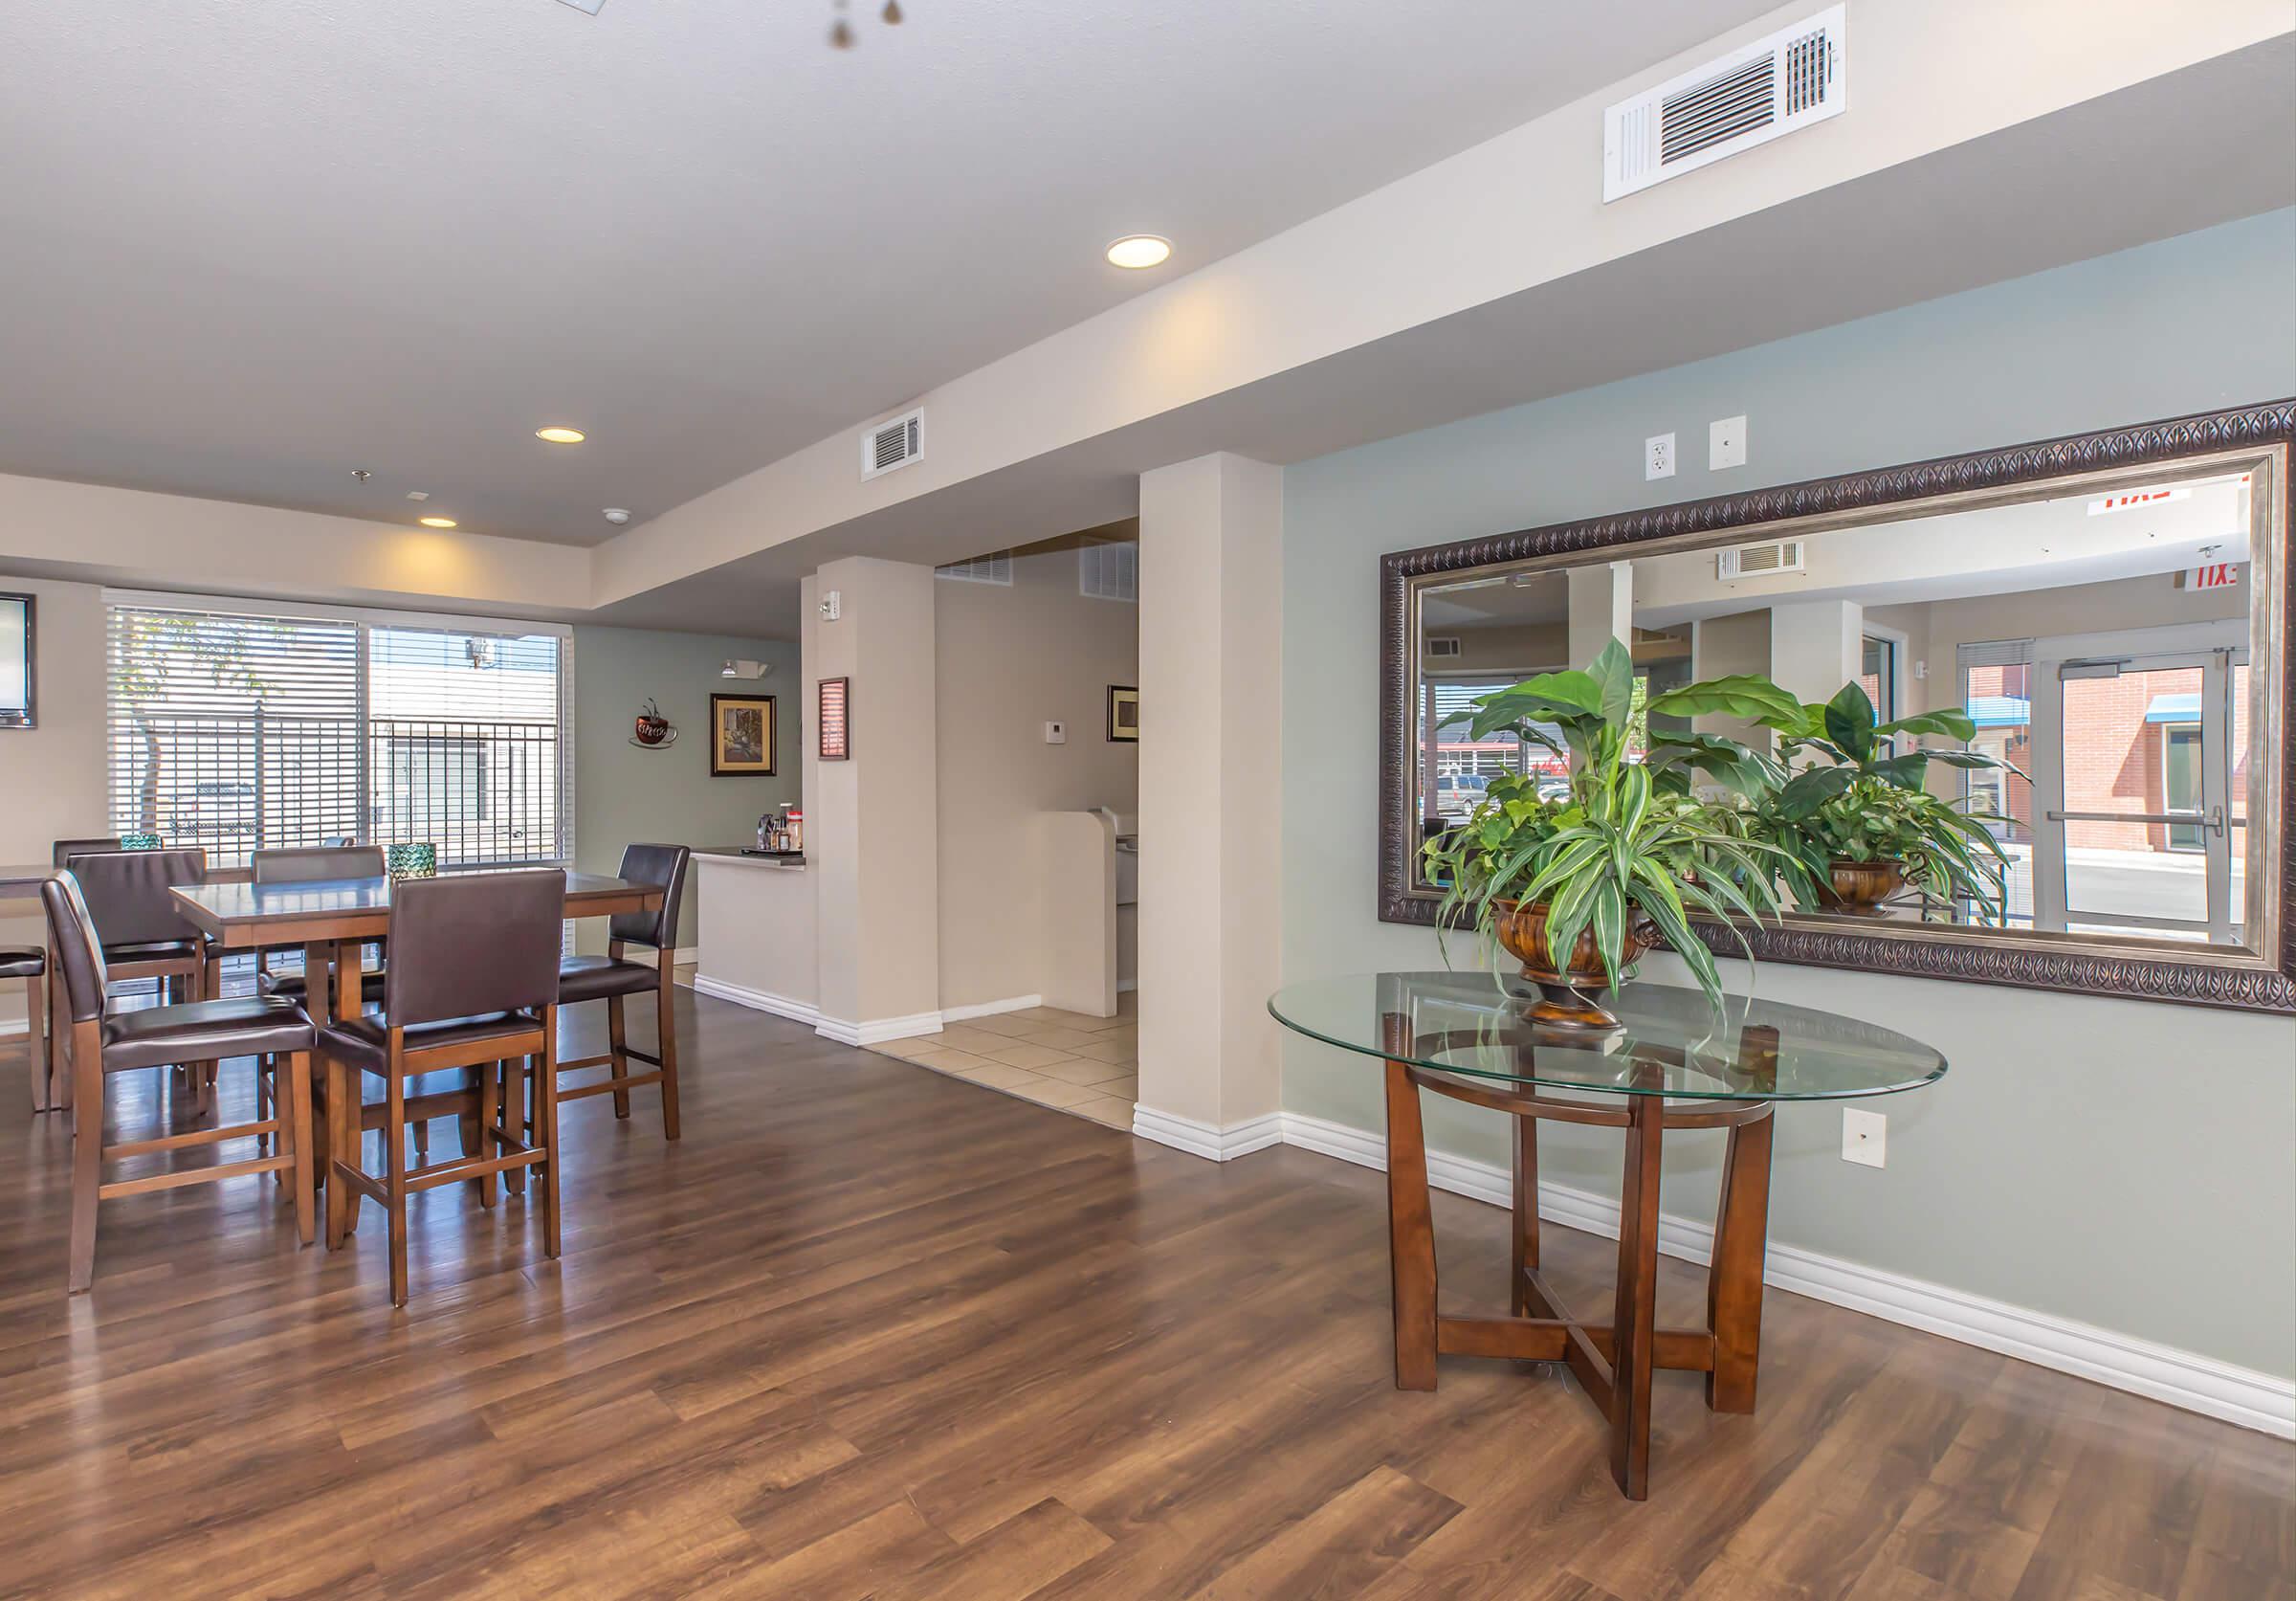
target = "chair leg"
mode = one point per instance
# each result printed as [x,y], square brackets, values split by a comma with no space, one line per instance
[665,1028]
[394,1181]
[343,1136]
[38,1059]
[545,1096]
[481,1142]
[517,1117]
[265,1067]
[422,1141]
[297,1068]
[87,1155]
[617,1045]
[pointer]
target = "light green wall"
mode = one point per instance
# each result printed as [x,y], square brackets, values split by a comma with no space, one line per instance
[623,793]
[2126,1164]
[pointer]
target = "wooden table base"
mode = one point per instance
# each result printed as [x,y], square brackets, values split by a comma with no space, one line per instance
[1613,1362]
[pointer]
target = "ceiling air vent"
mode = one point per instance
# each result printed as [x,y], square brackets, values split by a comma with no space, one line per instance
[893,444]
[1792,78]
[1438,644]
[1757,560]
[995,567]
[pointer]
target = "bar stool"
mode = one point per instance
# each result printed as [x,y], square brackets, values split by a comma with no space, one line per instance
[30,963]
[610,979]
[302,865]
[473,983]
[143,935]
[155,1037]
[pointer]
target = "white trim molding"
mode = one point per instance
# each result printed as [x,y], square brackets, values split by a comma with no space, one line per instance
[1207,1140]
[2180,1378]
[990,1008]
[10,1026]
[757,1000]
[877,1031]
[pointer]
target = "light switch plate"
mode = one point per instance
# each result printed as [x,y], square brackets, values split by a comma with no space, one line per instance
[1658,457]
[832,606]
[1726,443]
[1056,733]
[1865,1136]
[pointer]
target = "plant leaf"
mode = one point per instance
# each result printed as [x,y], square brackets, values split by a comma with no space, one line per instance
[1849,721]
[1951,723]
[1613,673]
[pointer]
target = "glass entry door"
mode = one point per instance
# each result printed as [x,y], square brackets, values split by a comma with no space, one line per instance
[2137,745]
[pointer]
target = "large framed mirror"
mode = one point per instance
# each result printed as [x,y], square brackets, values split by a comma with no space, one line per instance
[2108,612]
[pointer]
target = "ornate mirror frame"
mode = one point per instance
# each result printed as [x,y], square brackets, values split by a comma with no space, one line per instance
[2257,438]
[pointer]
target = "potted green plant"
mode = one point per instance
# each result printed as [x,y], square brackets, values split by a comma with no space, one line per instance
[1863,826]
[1576,886]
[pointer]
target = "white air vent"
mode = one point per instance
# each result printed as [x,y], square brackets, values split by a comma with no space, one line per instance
[1757,561]
[1773,86]
[1441,644]
[1109,571]
[995,567]
[893,444]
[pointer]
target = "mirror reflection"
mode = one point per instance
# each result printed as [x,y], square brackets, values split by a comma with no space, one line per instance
[2076,668]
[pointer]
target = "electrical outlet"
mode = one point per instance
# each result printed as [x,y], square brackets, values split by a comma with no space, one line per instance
[1865,1136]
[1056,733]
[1658,457]
[1726,443]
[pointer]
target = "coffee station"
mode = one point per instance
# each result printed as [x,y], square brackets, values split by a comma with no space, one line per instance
[756,918]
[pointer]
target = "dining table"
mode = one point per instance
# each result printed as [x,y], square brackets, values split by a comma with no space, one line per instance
[326,916]
[1675,1060]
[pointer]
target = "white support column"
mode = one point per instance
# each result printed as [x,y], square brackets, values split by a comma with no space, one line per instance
[1211,645]
[871,822]
[1816,646]
[1601,610]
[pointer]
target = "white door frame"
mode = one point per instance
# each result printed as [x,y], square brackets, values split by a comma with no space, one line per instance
[2214,648]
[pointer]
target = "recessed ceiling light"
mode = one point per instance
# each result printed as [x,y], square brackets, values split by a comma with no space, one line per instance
[437,522]
[1140,250]
[560,436]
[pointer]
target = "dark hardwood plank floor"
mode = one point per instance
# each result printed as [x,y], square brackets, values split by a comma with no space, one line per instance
[870,1331]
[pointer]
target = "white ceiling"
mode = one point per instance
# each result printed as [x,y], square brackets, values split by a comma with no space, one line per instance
[253,246]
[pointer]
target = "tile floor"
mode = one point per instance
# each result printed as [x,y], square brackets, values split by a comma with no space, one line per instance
[1062,1060]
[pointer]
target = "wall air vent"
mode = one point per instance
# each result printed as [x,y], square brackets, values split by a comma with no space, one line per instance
[995,567]
[1773,87]
[1760,561]
[1110,571]
[1440,644]
[893,444]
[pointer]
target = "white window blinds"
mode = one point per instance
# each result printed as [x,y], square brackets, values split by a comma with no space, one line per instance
[232,732]
[236,731]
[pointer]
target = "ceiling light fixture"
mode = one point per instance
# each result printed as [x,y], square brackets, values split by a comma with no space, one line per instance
[437,522]
[560,436]
[1135,252]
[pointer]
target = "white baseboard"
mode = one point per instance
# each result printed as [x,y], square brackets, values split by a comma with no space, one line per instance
[2180,1378]
[10,1026]
[990,1008]
[878,1031]
[1127,985]
[1207,1140]
[757,1000]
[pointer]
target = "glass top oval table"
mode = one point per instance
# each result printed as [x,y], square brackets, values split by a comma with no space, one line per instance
[1675,1062]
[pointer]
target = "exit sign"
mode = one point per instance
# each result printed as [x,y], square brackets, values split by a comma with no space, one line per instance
[2218,575]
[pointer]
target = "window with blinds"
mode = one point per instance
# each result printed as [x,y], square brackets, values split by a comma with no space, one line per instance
[238,731]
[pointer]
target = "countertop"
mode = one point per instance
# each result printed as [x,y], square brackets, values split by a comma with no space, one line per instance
[733,855]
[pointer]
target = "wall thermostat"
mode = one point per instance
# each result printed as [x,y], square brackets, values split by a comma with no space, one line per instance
[832,606]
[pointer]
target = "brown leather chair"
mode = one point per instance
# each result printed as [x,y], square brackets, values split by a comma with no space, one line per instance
[67,848]
[142,933]
[104,1042]
[611,979]
[30,963]
[473,983]
[307,865]
[59,1082]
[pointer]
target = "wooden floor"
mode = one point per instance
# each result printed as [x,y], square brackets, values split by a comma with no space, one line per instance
[875,1331]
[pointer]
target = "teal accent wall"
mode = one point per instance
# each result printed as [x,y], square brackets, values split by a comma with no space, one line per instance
[623,793]
[2126,1164]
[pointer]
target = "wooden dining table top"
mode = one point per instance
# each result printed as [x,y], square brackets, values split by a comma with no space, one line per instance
[242,915]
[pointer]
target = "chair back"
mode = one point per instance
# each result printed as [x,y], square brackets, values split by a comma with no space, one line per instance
[652,864]
[72,936]
[67,848]
[127,893]
[473,944]
[303,864]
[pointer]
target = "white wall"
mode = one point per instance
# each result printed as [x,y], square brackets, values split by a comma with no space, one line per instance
[2123,1164]
[1007,660]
